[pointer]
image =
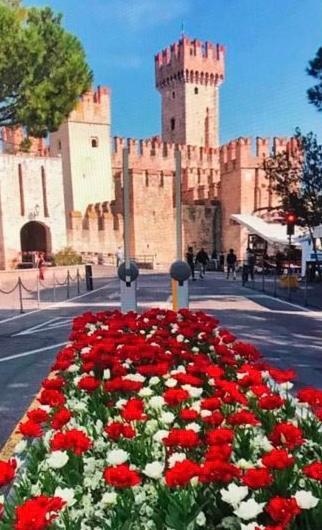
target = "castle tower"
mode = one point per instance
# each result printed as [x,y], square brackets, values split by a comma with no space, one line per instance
[83,141]
[188,75]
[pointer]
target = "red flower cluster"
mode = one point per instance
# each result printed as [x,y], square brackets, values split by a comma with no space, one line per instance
[256,478]
[314,471]
[181,473]
[121,476]
[73,440]
[38,513]
[89,383]
[278,459]
[116,430]
[282,510]
[286,434]
[134,410]
[7,471]
[185,438]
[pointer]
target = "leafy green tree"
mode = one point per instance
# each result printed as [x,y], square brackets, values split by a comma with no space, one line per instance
[315,70]
[43,70]
[296,178]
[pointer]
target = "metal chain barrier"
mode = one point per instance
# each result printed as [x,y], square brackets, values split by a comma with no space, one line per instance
[2,291]
[20,286]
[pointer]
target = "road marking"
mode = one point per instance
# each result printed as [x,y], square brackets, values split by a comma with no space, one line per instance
[53,323]
[32,352]
[53,305]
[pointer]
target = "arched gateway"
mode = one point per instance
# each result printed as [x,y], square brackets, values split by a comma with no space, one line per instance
[35,237]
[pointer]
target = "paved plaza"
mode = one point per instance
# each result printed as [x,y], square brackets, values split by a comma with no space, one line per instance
[287,334]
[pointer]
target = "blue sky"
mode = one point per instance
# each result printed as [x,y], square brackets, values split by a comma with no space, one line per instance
[269,43]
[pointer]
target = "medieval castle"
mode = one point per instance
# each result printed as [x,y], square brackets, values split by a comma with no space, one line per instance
[70,192]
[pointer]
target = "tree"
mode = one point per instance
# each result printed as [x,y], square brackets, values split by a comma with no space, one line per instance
[296,178]
[43,70]
[315,70]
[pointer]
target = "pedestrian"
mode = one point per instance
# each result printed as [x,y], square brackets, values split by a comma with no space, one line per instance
[231,263]
[41,266]
[222,262]
[214,257]
[191,262]
[251,262]
[202,259]
[119,254]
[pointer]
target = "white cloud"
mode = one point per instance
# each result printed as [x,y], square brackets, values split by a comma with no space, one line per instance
[140,14]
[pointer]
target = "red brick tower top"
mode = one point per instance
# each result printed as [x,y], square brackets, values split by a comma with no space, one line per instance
[188,74]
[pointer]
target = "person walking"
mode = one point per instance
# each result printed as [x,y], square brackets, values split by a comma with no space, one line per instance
[191,262]
[41,266]
[251,262]
[222,262]
[119,254]
[231,260]
[214,257]
[202,259]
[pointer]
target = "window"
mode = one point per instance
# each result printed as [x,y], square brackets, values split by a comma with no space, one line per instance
[94,141]
[173,95]
[196,90]
[161,180]
[146,179]
[44,191]
[172,124]
[22,199]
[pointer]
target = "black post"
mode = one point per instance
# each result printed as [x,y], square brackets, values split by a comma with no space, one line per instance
[20,295]
[77,278]
[68,285]
[89,277]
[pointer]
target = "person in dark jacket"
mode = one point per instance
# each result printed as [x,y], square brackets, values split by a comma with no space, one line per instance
[231,260]
[202,259]
[191,261]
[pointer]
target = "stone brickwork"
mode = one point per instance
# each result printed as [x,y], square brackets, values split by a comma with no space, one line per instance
[188,75]
[31,191]
[83,141]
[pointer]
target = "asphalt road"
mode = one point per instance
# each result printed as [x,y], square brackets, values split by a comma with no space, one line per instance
[286,334]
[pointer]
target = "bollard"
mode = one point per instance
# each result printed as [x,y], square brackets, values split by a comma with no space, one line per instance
[89,277]
[180,273]
[68,285]
[128,279]
[20,295]
[78,285]
[54,287]
[38,292]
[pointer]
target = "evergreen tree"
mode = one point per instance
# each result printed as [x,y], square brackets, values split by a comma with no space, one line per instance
[43,69]
[315,70]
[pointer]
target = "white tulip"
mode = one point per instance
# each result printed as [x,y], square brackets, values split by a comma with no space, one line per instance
[67,494]
[160,435]
[156,402]
[234,494]
[167,417]
[176,457]
[154,470]
[249,509]
[109,498]
[201,519]
[117,457]
[306,500]
[57,459]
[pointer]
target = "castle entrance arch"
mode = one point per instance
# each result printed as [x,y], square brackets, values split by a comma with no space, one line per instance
[34,237]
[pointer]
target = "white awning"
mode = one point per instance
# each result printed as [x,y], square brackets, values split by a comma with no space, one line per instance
[270,232]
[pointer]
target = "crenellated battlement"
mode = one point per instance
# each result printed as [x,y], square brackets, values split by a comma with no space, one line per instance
[13,138]
[244,152]
[93,107]
[190,61]
[154,154]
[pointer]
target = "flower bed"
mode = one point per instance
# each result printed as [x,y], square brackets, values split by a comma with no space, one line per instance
[165,421]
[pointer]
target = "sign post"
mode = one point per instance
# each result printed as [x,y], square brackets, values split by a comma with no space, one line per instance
[180,270]
[127,271]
